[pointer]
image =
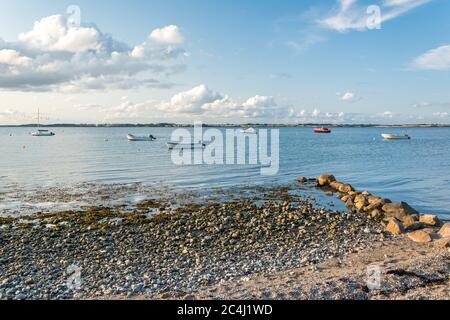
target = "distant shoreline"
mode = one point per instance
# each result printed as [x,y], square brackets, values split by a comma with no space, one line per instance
[258,125]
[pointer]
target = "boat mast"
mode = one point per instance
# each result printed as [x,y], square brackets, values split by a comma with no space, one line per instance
[38,122]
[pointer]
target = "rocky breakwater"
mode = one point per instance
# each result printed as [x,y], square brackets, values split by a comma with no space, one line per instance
[397,218]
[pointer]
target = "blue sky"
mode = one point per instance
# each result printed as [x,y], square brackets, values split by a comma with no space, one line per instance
[226,61]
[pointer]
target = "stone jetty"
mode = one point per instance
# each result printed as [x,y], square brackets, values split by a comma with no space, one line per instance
[397,218]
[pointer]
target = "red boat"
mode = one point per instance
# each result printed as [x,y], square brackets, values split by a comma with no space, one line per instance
[322,130]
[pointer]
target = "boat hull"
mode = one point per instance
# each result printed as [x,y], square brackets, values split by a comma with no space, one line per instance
[137,139]
[395,137]
[322,131]
[173,145]
[41,134]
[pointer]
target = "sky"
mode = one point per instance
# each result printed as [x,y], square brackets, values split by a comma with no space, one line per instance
[225,61]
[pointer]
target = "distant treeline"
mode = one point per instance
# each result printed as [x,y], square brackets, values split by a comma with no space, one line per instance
[175,125]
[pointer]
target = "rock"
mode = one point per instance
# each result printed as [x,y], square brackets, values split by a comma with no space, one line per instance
[349,204]
[429,219]
[445,231]
[302,180]
[420,236]
[361,198]
[395,227]
[345,188]
[408,221]
[326,179]
[359,205]
[376,214]
[335,185]
[398,210]
[361,202]
[442,243]
[415,226]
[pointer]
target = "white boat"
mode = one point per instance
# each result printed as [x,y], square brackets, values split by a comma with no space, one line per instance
[388,136]
[39,132]
[42,133]
[172,145]
[132,137]
[249,131]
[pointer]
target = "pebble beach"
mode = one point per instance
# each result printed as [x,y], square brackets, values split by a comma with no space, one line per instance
[205,250]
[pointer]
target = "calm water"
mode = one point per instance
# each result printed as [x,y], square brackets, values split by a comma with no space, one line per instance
[416,171]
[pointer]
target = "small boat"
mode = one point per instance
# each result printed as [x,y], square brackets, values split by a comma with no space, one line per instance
[132,137]
[322,130]
[172,145]
[249,131]
[40,132]
[388,136]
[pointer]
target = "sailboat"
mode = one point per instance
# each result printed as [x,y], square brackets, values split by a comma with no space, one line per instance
[39,132]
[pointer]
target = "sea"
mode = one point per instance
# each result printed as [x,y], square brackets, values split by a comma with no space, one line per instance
[79,165]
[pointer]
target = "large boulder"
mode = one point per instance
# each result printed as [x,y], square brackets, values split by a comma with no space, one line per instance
[445,231]
[345,188]
[409,221]
[326,179]
[375,205]
[429,219]
[373,199]
[442,243]
[335,185]
[395,227]
[376,214]
[420,236]
[398,210]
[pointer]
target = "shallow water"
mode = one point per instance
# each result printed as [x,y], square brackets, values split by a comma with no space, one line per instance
[415,171]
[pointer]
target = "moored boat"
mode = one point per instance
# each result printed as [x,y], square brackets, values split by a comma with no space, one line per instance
[39,132]
[249,131]
[389,136]
[42,133]
[180,145]
[322,130]
[132,137]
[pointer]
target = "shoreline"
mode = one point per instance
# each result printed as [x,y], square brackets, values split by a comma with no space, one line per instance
[195,250]
[227,125]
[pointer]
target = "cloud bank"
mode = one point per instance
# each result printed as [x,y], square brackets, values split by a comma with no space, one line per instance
[57,56]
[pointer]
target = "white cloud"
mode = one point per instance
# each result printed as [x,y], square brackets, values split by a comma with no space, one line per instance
[169,35]
[192,101]
[441,114]
[11,114]
[14,58]
[52,34]
[435,59]
[349,15]
[387,115]
[347,96]
[202,102]
[55,56]
[426,104]
[316,113]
